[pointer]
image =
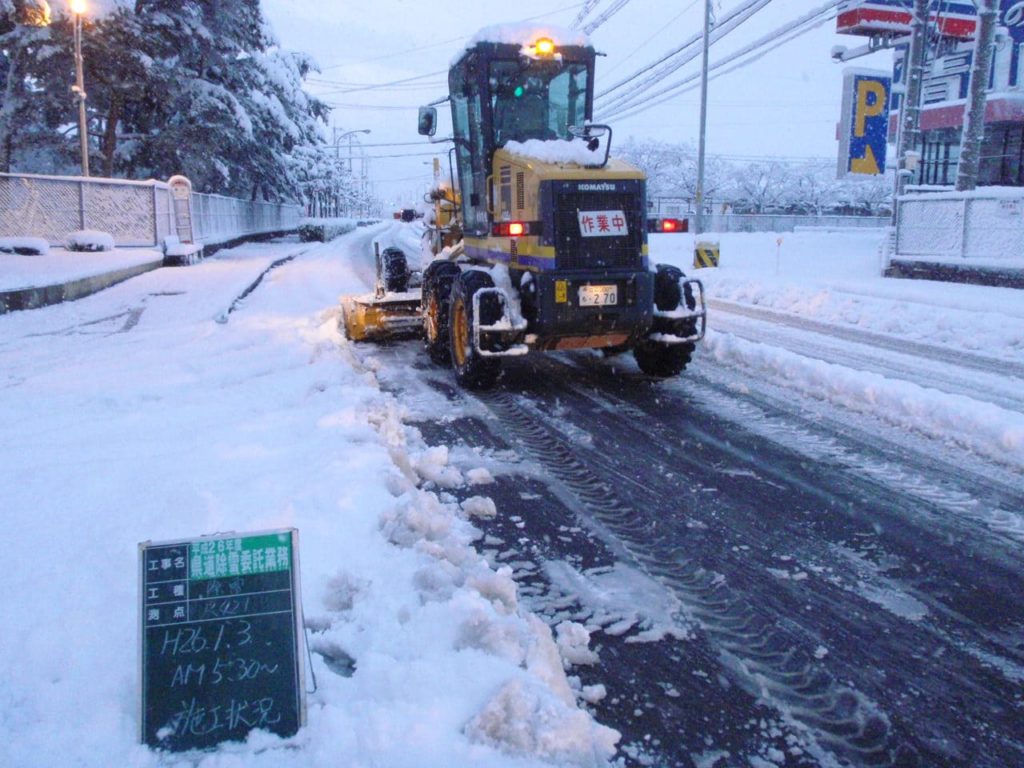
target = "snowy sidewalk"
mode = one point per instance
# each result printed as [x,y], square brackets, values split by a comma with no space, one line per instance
[28,282]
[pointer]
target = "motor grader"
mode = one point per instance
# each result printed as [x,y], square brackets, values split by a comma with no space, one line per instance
[540,241]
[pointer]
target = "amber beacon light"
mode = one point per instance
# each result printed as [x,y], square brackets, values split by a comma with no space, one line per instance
[545,46]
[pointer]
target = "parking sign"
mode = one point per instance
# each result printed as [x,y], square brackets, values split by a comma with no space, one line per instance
[863,132]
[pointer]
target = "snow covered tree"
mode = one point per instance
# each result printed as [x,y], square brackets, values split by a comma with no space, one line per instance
[672,169]
[198,87]
[25,41]
[760,186]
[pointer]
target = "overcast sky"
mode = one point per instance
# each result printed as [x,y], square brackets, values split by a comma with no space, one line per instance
[786,104]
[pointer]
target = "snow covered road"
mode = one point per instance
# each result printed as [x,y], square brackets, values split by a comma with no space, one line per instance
[806,549]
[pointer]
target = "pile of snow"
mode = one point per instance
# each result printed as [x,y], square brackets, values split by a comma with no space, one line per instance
[556,151]
[24,246]
[89,241]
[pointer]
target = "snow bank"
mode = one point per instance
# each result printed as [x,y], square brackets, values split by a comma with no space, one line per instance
[986,429]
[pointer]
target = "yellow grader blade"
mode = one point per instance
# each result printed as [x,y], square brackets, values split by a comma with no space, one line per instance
[392,316]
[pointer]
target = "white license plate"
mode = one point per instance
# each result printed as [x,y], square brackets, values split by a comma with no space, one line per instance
[599,295]
[602,223]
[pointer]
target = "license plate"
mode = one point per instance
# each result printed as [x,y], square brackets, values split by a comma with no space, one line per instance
[599,295]
[602,223]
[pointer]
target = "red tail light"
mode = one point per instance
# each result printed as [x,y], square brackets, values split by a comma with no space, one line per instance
[514,228]
[669,225]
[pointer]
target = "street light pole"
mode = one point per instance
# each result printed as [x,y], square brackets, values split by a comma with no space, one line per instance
[77,9]
[337,139]
[698,219]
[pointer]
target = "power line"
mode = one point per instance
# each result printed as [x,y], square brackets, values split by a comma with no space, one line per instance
[615,7]
[730,22]
[754,52]
[388,84]
[588,6]
[629,106]
[643,45]
[373,107]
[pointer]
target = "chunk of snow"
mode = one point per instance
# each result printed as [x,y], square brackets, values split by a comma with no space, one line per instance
[479,476]
[574,643]
[593,694]
[480,506]
[524,719]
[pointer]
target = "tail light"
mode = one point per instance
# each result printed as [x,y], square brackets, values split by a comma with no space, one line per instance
[515,228]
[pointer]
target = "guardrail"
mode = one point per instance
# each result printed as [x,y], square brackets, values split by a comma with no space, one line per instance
[985,224]
[135,213]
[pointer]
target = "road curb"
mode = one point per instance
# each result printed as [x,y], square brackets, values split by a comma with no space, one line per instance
[34,298]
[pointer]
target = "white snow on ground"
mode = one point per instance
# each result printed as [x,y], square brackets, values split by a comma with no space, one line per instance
[60,265]
[835,278]
[133,415]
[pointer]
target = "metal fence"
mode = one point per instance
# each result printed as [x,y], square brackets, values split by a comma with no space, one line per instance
[986,224]
[769,222]
[135,213]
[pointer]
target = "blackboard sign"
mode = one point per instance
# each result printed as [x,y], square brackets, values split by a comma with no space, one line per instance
[221,639]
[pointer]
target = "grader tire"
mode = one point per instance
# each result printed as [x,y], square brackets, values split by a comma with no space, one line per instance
[437,287]
[472,370]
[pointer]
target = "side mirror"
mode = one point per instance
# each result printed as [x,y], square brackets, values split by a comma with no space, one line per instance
[428,121]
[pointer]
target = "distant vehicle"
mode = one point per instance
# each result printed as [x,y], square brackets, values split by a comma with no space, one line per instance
[408,214]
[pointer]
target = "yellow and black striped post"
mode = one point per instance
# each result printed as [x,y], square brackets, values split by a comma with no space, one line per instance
[705,254]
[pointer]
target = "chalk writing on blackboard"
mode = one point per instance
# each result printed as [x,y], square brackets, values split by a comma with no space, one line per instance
[221,640]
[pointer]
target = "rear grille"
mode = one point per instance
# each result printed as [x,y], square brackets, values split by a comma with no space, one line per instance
[573,251]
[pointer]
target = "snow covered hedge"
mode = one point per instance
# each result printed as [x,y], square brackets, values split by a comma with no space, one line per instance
[89,241]
[24,246]
[324,230]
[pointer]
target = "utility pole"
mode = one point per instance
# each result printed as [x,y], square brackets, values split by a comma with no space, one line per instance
[698,220]
[974,117]
[910,117]
[77,9]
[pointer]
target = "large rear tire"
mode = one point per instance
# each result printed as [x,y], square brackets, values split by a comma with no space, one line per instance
[472,370]
[436,290]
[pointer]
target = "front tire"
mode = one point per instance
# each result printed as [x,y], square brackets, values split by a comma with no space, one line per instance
[472,370]
[662,360]
[657,358]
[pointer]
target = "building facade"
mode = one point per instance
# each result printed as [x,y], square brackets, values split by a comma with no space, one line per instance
[949,56]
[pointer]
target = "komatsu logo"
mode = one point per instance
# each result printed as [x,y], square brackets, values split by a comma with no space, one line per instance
[606,187]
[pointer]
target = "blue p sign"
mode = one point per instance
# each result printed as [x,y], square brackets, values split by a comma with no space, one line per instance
[865,126]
